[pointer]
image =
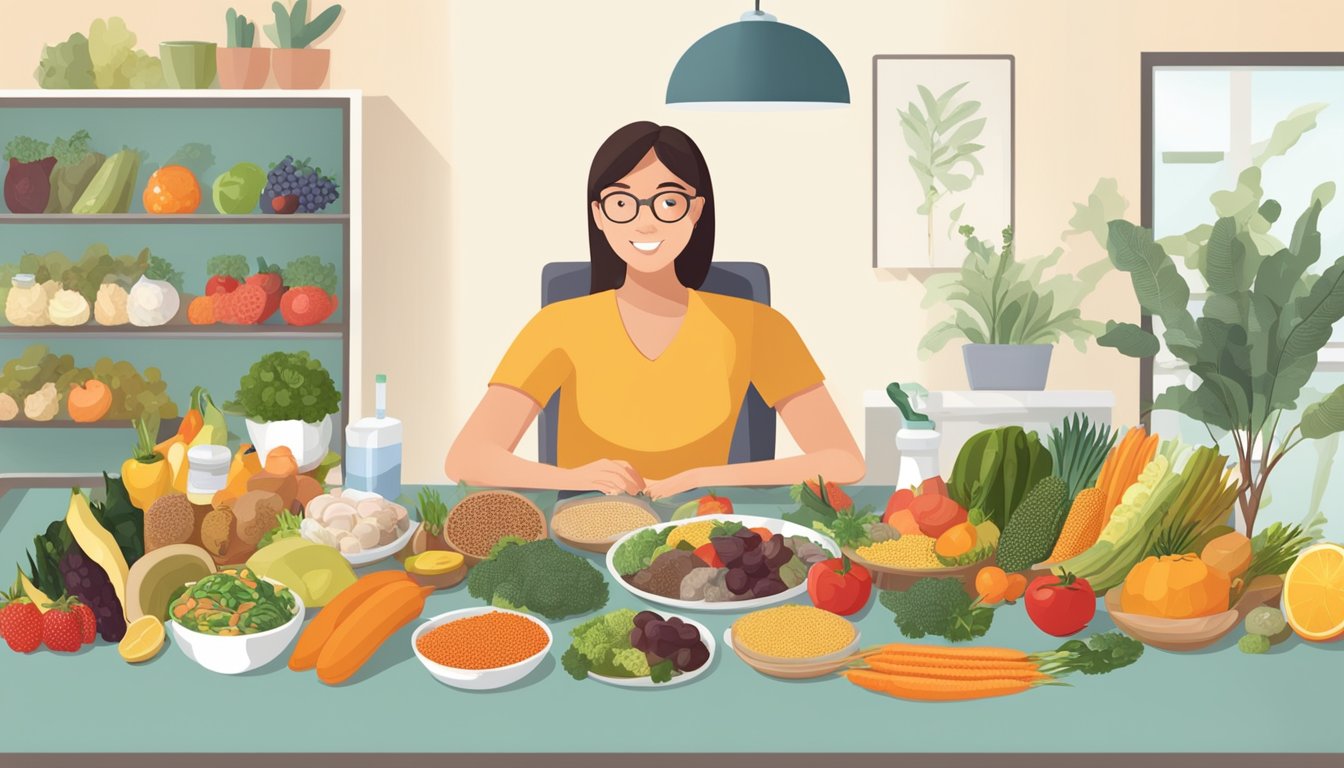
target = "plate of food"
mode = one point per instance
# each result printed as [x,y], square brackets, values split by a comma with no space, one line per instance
[641,649]
[364,528]
[718,562]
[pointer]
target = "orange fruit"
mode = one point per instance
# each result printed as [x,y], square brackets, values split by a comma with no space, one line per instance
[172,189]
[1313,593]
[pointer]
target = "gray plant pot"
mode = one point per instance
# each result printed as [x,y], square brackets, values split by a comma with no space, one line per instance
[1007,366]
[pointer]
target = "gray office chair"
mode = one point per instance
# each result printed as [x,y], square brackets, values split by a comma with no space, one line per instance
[754,435]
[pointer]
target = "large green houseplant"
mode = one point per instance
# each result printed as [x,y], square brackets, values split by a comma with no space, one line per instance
[1011,312]
[1254,346]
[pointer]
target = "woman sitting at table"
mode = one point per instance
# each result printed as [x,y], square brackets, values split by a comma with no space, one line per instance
[652,372]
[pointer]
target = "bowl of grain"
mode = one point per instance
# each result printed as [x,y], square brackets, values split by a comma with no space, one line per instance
[481,649]
[595,523]
[896,564]
[476,523]
[793,641]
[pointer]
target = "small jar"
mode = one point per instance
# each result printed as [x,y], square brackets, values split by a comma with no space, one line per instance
[207,472]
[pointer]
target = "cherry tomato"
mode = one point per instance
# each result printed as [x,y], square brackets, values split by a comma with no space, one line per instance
[991,583]
[1061,605]
[1017,586]
[839,585]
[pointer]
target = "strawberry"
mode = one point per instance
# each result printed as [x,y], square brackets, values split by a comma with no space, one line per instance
[245,306]
[89,621]
[268,280]
[21,624]
[307,305]
[62,628]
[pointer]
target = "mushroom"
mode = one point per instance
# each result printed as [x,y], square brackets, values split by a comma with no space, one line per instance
[367,534]
[340,517]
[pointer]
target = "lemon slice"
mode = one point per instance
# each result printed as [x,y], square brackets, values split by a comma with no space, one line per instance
[1313,593]
[144,638]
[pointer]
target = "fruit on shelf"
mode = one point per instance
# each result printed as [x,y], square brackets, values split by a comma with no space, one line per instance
[172,189]
[89,402]
[201,310]
[310,297]
[313,190]
[238,190]
[227,272]
[285,204]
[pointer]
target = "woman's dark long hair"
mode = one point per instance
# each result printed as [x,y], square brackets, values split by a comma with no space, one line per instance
[617,157]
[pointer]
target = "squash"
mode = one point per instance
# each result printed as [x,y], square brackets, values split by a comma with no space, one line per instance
[1229,553]
[97,543]
[1175,587]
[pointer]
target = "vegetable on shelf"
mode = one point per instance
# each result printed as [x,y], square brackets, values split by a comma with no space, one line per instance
[112,186]
[237,191]
[106,58]
[310,295]
[76,165]
[154,299]
[28,177]
[172,189]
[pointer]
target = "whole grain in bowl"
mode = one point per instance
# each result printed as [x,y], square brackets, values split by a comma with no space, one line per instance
[488,641]
[600,520]
[909,551]
[793,632]
[479,521]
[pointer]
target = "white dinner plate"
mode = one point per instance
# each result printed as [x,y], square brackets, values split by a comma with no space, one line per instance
[371,556]
[706,637]
[773,524]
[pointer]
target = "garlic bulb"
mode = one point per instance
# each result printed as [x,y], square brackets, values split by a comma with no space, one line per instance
[68,309]
[109,308]
[27,302]
[152,303]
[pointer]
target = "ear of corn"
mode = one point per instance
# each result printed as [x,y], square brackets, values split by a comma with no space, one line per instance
[1082,526]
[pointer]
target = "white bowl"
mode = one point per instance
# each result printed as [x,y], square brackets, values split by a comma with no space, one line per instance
[308,442]
[479,679]
[706,637]
[371,556]
[236,654]
[774,524]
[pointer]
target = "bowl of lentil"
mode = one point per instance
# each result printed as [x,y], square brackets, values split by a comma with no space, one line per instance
[476,523]
[793,640]
[217,642]
[479,649]
[594,523]
[899,563]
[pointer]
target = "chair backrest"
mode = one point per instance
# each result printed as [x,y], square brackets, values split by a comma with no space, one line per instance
[754,435]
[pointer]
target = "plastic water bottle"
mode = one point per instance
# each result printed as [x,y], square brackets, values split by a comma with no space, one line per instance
[917,440]
[373,449]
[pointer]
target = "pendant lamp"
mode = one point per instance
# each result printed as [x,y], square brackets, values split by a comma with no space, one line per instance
[757,63]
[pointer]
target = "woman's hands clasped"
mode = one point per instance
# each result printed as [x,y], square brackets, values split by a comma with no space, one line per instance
[610,476]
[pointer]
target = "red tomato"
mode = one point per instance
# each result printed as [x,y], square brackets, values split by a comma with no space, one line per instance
[714,505]
[839,585]
[901,499]
[934,486]
[1061,605]
[706,552]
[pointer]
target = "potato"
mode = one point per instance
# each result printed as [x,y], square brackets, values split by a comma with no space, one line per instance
[284,486]
[255,513]
[307,489]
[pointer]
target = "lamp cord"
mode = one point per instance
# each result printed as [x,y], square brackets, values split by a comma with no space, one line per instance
[758,7]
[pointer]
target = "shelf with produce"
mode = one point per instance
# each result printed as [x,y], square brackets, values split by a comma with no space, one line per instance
[225,137]
[169,425]
[267,331]
[155,218]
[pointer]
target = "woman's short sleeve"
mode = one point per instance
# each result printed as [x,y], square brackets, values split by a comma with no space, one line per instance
[781,366]
[535,363]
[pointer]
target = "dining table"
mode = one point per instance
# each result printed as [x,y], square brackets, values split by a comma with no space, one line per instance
[1217,702]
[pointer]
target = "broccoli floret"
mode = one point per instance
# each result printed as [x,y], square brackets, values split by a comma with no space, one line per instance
[596,644]
[538,577]
[636,553]
[937,607]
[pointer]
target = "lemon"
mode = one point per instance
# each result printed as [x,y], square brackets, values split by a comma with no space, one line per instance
[144,638]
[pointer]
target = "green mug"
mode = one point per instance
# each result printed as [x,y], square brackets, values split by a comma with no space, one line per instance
[188,64]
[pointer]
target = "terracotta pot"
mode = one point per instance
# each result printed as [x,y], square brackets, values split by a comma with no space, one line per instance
[243,67]
[300,68]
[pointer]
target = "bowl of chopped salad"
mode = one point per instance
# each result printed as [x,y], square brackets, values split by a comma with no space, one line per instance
[232,622]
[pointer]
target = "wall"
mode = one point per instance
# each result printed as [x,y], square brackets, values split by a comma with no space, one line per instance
[476,101]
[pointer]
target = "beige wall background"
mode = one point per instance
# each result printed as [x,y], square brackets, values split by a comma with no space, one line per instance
[473,103]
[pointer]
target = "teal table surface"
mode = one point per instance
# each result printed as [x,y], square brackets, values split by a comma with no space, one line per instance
[1219,700]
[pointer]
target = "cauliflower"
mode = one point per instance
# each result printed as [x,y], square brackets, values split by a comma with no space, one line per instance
[42,405]
[9,407]
[68,309]
[109,308]
[27,302]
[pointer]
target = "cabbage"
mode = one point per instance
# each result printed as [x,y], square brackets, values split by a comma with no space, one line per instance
[238,190]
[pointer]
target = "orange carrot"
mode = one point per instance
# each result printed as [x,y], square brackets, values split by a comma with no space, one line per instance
[955,673]
[933,689]
[1113,460]
[369,626]
[1127,474]
[936,662]
[320,629]
[986,653]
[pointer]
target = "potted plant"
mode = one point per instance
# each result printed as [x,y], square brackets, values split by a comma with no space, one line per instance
[287,399]
[296,64]
[240,65]
[188,63]
[1010,312]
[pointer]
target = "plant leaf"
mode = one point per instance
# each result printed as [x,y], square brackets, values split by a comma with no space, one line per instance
[1324,417]
[1288,131]
[1129,339]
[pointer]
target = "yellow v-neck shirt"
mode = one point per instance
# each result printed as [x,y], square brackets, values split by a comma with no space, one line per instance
[668,414]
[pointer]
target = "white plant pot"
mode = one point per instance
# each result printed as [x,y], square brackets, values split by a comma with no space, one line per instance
[308,442]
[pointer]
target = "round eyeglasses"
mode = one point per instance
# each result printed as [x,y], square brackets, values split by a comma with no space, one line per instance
[668,207]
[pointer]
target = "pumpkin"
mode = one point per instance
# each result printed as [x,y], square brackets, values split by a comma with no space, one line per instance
[1175,587]
[90,402]
[1229,553]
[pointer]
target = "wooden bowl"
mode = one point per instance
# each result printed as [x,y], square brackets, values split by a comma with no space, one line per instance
[601,546]
[1192,634]
[888,578]
[470,560]
[794,669]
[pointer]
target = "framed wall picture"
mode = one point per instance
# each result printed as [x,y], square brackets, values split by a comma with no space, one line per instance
[942,155]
